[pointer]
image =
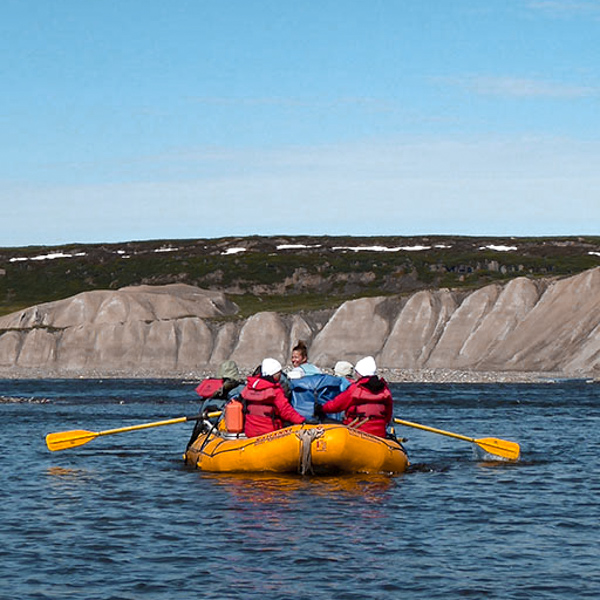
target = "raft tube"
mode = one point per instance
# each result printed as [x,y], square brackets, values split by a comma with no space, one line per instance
[319,449]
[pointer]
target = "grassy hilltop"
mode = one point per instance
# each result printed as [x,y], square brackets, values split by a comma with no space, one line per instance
[288,273]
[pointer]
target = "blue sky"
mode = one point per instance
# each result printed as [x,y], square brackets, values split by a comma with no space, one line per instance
[147,119]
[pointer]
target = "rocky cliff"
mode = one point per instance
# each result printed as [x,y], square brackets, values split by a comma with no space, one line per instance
[550,325]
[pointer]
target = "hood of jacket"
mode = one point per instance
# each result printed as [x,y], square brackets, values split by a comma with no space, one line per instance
[261,383]
[373,383]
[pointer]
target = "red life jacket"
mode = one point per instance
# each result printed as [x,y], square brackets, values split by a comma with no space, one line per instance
[208,387]
[367,404]
[259,403]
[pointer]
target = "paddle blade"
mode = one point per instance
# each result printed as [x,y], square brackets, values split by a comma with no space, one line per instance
[69,439]
[503,448]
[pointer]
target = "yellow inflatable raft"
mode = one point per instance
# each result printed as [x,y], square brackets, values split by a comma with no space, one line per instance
[319,449]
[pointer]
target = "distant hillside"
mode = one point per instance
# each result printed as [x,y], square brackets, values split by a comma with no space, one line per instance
[528,329]
[288,273]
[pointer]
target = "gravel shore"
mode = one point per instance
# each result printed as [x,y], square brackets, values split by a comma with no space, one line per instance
[391,375]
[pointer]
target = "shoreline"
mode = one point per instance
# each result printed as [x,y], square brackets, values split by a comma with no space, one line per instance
[391,375]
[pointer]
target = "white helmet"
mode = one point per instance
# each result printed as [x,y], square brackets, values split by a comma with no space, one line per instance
[366,366]
[270,366]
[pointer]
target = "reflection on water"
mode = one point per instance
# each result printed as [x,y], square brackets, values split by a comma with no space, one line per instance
[264,488]
[64,482]
[62,472]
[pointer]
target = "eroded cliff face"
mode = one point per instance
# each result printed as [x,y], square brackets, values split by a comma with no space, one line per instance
[525,325]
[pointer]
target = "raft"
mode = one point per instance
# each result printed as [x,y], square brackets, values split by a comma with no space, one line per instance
[306,449]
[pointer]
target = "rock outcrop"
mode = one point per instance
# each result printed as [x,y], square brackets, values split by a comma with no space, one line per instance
[525,325]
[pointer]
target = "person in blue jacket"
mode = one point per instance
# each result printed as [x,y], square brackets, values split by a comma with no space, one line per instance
[316,389]
[300,362]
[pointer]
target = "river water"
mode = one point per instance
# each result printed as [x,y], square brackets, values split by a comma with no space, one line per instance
[122,518]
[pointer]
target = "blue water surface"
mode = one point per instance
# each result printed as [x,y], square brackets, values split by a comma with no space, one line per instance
[122,517]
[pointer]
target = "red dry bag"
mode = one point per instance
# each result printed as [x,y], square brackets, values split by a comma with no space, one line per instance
[234,416]
[208,387]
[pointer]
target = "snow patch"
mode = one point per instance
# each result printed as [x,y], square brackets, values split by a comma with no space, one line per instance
[499,248]
[166,249]
[295,246]
[382,248]
[233,251]
[50,256]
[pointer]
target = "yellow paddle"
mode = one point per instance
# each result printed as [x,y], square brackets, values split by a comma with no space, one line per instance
[77,437]
[502,448]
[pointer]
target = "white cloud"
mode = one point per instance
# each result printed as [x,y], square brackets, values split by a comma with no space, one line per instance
[524,186]
[563,8]
[517,87]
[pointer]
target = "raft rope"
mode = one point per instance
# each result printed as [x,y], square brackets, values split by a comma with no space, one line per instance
[307,437]
[357,423]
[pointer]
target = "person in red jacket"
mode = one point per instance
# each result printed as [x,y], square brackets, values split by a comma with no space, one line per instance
[266,404]
[368,401]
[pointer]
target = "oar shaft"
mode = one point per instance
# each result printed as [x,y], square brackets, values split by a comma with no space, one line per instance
[503,448]
[70,439]
[159,423]
[434,430]
[144,426]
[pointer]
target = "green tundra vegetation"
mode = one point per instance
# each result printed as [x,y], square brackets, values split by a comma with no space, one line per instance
[288,273]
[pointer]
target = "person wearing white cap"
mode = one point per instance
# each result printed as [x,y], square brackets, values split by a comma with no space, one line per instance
[270,367]
[267,407]
[344,369]
[367,403]
[366,367]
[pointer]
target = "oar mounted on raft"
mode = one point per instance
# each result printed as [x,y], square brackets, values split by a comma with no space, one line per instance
[78,437]
[494,446]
